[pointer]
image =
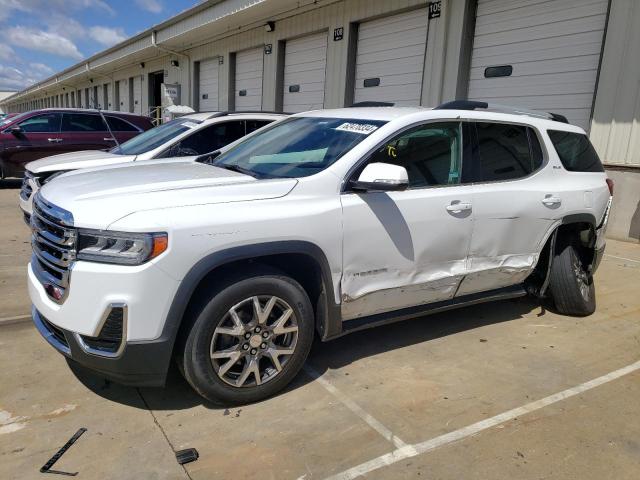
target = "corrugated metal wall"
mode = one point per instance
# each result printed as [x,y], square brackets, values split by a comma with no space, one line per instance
[615,129]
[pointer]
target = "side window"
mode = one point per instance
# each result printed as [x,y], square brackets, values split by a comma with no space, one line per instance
[504,151]
[253,125]
[119,125]
[47,123]
[431,153]
[80,122]
[212,138]
[575,151]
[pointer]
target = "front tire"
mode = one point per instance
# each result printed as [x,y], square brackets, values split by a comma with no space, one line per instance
[571,284]
[249,339]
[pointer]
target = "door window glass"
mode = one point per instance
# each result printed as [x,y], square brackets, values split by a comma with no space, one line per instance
[118,125]
[504,151]
[253,125]
[207,139]
[46,123]
[575,151]
[80,122]
[431,153]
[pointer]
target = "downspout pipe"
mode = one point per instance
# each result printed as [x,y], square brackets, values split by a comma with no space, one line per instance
[155,44]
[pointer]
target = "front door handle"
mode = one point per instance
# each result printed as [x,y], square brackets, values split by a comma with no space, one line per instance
[109,139]
[458,207]
[54,140]
[550,200]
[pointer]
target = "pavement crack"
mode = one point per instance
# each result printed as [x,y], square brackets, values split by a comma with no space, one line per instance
[164,434]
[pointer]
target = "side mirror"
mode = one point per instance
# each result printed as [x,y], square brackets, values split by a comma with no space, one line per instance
[16,131]
[382,177]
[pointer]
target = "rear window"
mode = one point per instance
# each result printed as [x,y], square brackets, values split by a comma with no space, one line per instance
[575,151]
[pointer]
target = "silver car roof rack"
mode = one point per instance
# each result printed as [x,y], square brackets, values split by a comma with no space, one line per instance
[495,107]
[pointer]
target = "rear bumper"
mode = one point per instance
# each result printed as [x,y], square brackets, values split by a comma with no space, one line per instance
[143,364]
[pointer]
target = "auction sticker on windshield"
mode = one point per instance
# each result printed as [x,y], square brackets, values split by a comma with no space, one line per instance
[361,128]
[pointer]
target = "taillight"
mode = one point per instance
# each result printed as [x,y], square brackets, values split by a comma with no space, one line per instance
[610,185]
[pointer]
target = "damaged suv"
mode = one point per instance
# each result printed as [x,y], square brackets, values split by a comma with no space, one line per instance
[322,224]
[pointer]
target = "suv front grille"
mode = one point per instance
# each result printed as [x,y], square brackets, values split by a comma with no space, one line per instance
[53,242]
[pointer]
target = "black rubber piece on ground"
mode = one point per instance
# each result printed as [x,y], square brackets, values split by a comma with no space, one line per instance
[565,285]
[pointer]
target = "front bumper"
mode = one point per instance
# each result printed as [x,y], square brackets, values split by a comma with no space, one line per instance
[140,363]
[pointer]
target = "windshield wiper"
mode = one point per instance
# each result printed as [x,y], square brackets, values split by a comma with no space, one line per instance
[236,168]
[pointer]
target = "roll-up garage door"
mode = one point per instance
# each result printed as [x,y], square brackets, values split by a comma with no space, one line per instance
[549,51]
[137,95]
[390,58]
[124,96]
[208,81]
[248,94]
[305,60]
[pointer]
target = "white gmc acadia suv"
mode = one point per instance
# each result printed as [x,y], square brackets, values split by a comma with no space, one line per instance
[322,224]
[186,137]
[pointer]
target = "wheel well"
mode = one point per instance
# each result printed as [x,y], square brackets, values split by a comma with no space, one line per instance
[581,234]
[299,266]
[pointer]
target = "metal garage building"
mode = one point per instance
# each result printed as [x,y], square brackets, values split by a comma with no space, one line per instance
[575,57]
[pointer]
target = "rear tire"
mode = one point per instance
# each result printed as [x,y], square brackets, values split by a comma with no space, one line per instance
[570,283]
[239,352]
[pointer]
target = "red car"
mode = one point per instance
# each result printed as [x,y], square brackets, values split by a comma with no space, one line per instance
[41,133]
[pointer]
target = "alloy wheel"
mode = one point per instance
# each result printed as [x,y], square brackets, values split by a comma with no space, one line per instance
[254,341]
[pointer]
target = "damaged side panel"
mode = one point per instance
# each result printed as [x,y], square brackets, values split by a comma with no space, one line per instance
[403,248]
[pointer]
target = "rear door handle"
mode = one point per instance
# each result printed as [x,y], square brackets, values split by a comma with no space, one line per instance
[550,200]
[54,140]
[458,207]
[109,139]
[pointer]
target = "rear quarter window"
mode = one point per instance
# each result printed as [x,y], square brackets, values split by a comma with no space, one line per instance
[575,151]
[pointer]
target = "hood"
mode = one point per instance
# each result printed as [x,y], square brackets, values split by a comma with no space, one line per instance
[75,160]
[99,197]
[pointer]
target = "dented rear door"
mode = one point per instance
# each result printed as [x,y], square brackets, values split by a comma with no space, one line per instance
[516,200]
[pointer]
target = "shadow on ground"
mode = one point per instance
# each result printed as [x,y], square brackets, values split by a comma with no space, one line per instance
[178,395]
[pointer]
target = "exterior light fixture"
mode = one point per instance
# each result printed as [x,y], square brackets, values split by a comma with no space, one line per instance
[270,26]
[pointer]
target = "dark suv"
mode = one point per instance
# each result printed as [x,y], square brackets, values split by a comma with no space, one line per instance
[41,133]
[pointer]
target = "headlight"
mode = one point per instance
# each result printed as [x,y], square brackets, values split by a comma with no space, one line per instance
[118,247]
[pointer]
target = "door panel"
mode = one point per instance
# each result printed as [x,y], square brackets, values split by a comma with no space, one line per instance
[511,217]
[408,248]
[403,248]
[40,138]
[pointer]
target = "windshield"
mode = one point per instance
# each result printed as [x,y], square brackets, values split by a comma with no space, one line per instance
[7,120]
[297,147]
[155,137]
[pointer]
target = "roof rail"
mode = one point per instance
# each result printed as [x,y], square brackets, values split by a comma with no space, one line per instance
[494,107]
[372,104]
[229,112]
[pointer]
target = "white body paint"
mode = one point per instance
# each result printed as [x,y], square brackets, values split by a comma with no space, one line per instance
[385,251]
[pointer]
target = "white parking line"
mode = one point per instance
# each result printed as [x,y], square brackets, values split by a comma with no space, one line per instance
[355,408]
[622,258]
[423,447]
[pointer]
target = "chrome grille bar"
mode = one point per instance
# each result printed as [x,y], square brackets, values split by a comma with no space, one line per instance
[53,244]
